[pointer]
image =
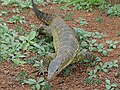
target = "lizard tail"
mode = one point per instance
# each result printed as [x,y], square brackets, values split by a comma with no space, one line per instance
[45,17]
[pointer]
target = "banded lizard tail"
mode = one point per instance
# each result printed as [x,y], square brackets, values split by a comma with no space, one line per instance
[65,42]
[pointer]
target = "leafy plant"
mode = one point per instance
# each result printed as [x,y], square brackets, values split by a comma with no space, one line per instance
[16,10]
[43,2]
[101,48]
[18,61]
[101,67]
[93,78]
[68,70]
[60,1]
[118,33]
[9,45]
[98,35]
[27,41]
[112,44]
[88,41]
[90,63]
[21,30]
[114,10]
[104,6]
[113,64]
[22,76]
[37,85]
[82,21]
[25,4]
[106,66]
[40,65]
[9,2]
[20,3]
[1,20]
[3,13]
[82,4]
[69,16]
[110,86]
[17,19]
[46,46]
[99,19]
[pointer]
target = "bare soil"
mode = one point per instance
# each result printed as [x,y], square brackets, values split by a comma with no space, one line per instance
[75,81]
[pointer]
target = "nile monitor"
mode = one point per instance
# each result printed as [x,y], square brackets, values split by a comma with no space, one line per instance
[65,42]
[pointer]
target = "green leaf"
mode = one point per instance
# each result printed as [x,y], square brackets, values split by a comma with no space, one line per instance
[90,72]
[108,87]
[33,87]
[16,61]
[114,85]
[105,70]
[114,46]
[116,42]
[32,35]
[47,86]
[41,79]
[36,45]
[104,53]
[31,81]
[107,81]
[97,67]
[115,61]
[22,56]
[37,86]
[25,45]
[22,62]
[94,40]
[22,38]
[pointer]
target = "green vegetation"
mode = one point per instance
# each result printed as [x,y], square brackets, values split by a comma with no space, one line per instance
[41,67]
[3,13]
[17,19]
[91,44]
[118,33]
[114,10]
[80,4]
[110,86]
[69,16]
[82,21]
[10,47]
[20,3]
[112,44]
[106,66]
[28,40]
[99,19]
[93,78]
[37,85]
[68,70]
[22,76]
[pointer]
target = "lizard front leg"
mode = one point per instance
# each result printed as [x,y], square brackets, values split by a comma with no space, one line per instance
[44,29]
[48,59]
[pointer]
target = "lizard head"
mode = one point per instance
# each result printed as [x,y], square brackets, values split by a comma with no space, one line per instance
[56,66]
[54,69]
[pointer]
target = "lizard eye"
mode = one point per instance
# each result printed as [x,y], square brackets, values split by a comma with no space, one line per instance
[57,70]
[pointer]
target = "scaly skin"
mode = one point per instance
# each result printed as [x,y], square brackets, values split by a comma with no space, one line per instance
[65,42]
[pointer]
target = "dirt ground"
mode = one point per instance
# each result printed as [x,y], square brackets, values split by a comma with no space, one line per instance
[110,26]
